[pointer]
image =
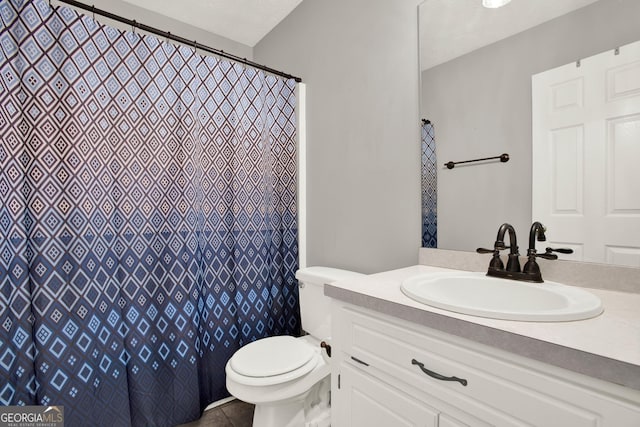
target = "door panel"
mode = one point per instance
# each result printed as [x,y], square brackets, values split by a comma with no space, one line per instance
[586,156]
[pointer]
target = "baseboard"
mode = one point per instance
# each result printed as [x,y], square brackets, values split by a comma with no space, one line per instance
[220,402]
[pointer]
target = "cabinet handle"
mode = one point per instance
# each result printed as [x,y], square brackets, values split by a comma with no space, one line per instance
[436,375]
[359,361]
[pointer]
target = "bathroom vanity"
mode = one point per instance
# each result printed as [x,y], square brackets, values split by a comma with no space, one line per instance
[397,362]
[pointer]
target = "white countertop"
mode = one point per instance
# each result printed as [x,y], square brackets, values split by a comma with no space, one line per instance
[606,347]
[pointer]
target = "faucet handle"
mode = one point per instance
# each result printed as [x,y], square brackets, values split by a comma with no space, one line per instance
[559,250]
[485,251]
[549,255]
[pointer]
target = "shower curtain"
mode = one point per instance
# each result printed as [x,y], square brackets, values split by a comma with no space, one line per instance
[429,187]
[148,218]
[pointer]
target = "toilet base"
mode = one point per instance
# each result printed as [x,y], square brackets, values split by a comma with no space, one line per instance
[309,409]
[285,414]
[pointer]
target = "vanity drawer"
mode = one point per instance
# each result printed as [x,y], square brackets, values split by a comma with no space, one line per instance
[502,391]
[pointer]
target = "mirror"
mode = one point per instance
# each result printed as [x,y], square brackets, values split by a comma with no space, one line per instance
[477,66]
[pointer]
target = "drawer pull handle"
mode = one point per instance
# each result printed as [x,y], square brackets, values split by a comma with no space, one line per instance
[359,361]
[436,375]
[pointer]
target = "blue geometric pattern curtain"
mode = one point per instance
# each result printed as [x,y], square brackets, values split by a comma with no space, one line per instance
[429,187]
[147,219]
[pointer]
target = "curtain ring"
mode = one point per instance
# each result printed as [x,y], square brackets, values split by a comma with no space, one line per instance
[134,24]
[195,47]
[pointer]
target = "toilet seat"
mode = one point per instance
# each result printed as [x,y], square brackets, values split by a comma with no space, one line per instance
[272,360]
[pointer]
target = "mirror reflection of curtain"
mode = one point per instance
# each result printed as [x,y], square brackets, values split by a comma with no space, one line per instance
[147,218]
[429,187]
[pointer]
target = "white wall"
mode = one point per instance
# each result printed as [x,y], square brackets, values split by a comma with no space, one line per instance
[359,59]
[480,106]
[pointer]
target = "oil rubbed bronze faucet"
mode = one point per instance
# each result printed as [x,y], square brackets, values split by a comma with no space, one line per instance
[531,267]
[496,267]
[531,270]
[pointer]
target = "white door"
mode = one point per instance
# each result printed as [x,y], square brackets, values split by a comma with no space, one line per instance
[586,156]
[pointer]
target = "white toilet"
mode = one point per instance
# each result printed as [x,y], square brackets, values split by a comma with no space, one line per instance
[286,378]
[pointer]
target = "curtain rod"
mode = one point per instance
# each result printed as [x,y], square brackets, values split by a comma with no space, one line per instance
[167,34]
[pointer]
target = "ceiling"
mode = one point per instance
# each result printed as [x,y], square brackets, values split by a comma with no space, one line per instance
[449,28]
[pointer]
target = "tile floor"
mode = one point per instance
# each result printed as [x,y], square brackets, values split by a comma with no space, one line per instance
[232,414]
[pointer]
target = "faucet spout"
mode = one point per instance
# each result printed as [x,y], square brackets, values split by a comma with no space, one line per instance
[513,264]
[537,231]
[531,267]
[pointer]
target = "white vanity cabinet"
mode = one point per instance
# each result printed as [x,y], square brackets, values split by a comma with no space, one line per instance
[379,379]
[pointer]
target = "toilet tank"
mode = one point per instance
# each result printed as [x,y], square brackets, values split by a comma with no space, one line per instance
[315,307]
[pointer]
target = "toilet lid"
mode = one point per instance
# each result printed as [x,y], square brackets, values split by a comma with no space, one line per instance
[271,356]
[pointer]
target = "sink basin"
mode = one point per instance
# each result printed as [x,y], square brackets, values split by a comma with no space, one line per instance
[480,295]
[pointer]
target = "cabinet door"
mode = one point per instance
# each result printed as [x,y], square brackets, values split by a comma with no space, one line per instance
[365,401]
